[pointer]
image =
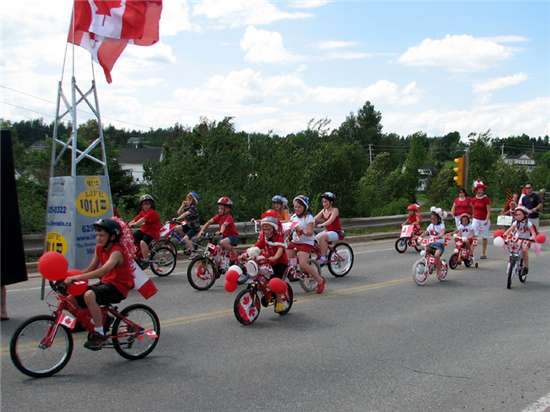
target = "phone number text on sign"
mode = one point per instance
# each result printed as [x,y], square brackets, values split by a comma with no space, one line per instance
[92,203]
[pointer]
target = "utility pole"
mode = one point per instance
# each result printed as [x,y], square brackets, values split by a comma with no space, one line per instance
[466,167]
[370,154]
[502,150]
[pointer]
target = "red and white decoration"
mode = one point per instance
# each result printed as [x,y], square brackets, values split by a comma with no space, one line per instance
[105,27]
[143,284]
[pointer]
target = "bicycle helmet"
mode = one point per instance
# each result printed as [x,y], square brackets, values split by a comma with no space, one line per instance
[225,201]
[331,197]
[147,197]
[110,226]
[195,197]
[285,201]
[413,207]
[278,199]
[304,200]
[270,220]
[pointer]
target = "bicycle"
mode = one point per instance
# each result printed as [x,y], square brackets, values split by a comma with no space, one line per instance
[463,254]
[257,293]
[426,265]
[515,259]
[209,264]
[407,238]
[162,258]
[43,345]
[340,257]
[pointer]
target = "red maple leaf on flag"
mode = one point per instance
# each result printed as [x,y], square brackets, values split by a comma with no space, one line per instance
[104,6]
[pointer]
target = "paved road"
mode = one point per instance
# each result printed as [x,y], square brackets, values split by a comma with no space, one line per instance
[374,342]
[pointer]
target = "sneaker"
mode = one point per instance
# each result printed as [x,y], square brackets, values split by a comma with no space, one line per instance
[483,257]
[279,307]
[95,341]
[525,271]
[321,286]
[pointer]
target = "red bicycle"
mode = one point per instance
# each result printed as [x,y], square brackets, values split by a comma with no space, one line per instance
[408,238]
[463,254]
[43,344]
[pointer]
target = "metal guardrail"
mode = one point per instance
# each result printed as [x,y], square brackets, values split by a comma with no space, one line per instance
[34,243]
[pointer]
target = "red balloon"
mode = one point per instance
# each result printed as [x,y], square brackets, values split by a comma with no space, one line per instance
[230,286]
[232,276]
[498,233]
[53,266]
[277,285]
[540,238]
[78,287]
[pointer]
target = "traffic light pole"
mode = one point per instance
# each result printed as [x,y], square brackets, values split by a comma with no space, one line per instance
[466,167]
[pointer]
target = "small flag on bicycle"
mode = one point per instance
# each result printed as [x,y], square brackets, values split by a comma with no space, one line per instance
[68,321]
[143,284]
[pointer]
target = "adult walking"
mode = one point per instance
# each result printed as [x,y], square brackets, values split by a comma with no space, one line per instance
[531,201]
[482,216]
[461,205]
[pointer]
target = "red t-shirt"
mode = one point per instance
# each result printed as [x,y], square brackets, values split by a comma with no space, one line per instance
[463,206]
[121,276]
[270,251]
[229,222]
[480,207]
[152,224]
[414,219]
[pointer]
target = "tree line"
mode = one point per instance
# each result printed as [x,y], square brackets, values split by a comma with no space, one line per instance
[372,173]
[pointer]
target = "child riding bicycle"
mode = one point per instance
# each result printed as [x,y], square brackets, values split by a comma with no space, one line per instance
[414,217]
[111,264]
[329,219]
[279,203]
[148,221]
[436,229]
[465,230]
[523,229]
[188,215]
[227,228]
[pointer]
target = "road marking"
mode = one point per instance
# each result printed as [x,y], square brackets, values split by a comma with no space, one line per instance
[542,405]
[183,320]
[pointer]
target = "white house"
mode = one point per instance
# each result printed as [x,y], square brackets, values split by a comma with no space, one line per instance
[521,161]
[132,157]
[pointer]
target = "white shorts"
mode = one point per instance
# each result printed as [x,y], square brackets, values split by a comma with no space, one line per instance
[331,236]
[481,228]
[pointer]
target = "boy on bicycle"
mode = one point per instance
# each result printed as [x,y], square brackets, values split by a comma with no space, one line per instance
[224,218]
[111,265]
[148,221]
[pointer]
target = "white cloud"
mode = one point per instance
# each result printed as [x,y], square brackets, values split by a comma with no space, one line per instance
[505,119]
[308,4]
[263,46]
[382,91]
[176,18]
[507,39]
[335,44]
[457,53]
[346,55]
[237,13]
[499,83]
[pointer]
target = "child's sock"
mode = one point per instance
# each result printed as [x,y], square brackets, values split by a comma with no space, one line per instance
[99,329]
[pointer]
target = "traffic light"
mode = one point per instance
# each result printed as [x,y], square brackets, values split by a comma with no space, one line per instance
[459,171]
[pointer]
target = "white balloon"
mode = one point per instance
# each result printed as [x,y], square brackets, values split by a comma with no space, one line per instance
[498,242]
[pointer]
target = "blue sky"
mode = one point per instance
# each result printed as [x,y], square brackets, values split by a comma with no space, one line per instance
[273,65]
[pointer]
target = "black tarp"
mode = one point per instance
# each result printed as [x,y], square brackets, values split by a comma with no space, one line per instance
[12,256]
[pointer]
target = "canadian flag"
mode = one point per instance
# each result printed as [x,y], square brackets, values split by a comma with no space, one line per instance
[143,284]
[68,321]
[105,27]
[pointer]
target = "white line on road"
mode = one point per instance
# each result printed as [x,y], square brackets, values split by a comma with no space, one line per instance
[539,406]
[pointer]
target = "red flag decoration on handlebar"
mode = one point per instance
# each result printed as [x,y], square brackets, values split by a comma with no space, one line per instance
[104,28]
[143,284]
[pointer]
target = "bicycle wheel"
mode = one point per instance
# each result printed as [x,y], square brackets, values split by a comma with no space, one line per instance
[420,276]
[401,244]
[162,261]
[307,283]
[34,359]
[340,259]
[453,261]
[511,268]
[165,242]
[201,273]
[444,270]
[288,302]
[133,342]
[247,306]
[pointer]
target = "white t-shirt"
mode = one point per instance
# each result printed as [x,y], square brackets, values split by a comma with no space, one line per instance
[303,222]
[466,231]
[437,230]
[522,229]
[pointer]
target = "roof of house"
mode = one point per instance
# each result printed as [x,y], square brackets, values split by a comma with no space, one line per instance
[140,155]
[521,156]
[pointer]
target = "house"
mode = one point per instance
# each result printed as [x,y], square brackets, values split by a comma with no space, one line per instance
[425,174]
[39,146]
[521,161]
[132,157]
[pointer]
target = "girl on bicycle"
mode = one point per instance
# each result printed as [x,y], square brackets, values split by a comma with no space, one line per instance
[414,217]
[189,216]
[465,230]
[280,204]
[302,243]
[224,218]
[111,264]
[523,229]
[329,219]
[271,243]
[148,221]
[436,229]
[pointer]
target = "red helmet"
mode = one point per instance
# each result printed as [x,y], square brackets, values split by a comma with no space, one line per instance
[225,201]
[413,207]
